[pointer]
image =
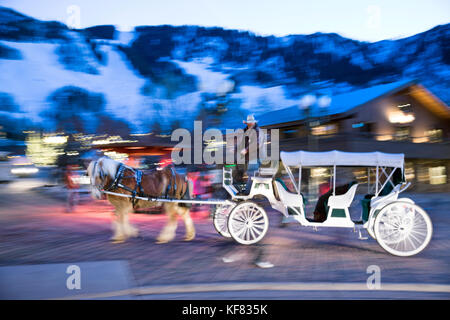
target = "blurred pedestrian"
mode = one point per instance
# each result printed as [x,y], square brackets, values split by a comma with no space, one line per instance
[258,250]
[72,186]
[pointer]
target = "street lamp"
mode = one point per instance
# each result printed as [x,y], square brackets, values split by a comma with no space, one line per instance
[324,102]
[310,104]
[305,105]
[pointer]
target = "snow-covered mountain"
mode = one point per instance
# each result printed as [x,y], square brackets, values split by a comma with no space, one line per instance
[159,77]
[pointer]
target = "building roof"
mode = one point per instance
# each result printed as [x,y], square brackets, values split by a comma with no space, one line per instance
[339,104]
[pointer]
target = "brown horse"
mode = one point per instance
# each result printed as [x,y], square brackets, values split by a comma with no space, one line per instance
[107,174]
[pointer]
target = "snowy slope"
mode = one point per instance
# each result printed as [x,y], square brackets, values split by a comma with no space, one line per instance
[32,80]
[208,80]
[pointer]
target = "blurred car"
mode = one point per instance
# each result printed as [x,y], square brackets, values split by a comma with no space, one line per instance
[5,167]
[22,167]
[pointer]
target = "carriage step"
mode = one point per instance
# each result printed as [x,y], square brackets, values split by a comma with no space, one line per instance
[360,236]
[288,219]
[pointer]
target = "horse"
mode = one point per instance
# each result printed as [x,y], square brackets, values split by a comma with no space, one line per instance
[110,175]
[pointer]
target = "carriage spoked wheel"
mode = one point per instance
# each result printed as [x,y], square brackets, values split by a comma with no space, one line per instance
[370,227]
[403,229]
[248,223]
[220,219]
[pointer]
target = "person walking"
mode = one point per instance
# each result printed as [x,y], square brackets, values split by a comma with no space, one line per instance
[70,179]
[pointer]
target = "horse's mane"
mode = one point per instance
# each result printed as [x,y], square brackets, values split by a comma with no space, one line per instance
[108,166]
[104,165]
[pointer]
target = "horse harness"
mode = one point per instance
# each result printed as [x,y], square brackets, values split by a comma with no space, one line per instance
[171,188]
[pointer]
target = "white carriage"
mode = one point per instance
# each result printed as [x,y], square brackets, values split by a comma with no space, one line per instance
[400,226]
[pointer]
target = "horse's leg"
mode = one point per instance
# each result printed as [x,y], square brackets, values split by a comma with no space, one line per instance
[121,225]
[118,227]
[129,229]
[190,229]
[168,232]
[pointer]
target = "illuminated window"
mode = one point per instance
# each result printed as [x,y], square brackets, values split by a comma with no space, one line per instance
[384,137]
[400,117]
[437,175]
[434,135]
[409,171]
[422,174]
[405,108]
[326,129]
[421,140]
[402,133]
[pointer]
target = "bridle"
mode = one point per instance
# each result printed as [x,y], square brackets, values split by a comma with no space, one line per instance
[102,177]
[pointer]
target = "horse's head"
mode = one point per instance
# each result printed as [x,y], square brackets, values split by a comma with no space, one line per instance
[101,172]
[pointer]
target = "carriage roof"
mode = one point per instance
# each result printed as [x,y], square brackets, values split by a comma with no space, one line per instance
[340,158]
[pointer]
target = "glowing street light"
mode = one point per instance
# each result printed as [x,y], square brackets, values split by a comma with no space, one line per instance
[307,101]
[324,102]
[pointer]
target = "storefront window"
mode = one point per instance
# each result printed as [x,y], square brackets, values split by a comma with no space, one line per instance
[422,174]
[437,175]
[409,171]
[434,135]
[402,133]
[326,129]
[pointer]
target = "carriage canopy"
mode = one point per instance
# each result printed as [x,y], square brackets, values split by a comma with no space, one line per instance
[340,158]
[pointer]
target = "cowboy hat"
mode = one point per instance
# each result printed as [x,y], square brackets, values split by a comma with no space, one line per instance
[250,119]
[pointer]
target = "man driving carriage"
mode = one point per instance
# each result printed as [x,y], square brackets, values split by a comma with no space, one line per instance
[251,148]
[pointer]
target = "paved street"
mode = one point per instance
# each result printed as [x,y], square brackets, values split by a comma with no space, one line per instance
[34,229]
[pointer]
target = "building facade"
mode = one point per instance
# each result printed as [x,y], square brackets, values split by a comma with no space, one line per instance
[402,117]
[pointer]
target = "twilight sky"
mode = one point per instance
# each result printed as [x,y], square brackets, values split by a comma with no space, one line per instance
[367,20]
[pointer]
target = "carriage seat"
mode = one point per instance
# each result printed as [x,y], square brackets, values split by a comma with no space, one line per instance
[288,198]
[341,203]
[369,201]
[393,194]
[267,172]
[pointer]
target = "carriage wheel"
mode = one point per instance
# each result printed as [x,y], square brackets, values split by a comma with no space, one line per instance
[370,227]
[220,219]
[248,223]
[403,229]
